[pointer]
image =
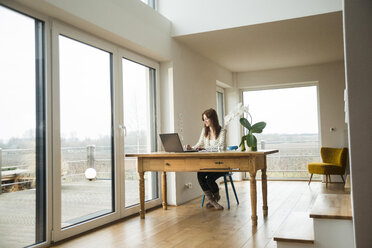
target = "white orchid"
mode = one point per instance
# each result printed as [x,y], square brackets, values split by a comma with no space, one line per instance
[239,110]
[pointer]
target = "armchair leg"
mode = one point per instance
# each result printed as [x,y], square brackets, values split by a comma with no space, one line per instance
[342,178]
[326,180]
[330,178]
[310,179]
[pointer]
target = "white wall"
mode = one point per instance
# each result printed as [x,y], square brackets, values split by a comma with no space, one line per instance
[331,85]
[194,87]
[190,16]
[358,40]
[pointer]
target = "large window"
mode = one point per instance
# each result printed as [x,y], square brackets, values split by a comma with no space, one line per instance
[220,105]
[291,115]
[22,130]
[151,3]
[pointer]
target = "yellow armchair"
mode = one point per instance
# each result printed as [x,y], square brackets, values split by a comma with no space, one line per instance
[334,163]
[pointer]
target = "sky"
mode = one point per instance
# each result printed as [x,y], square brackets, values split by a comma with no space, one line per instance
[17,74]
[288,110]
[85,94]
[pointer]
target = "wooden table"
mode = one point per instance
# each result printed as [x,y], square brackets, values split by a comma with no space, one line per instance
[205,162]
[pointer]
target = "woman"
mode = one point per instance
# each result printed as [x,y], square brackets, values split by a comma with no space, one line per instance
[211,137]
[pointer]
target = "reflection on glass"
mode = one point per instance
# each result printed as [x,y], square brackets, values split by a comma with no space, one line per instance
[86,139]
[291,115]
[139,120]
[22,204]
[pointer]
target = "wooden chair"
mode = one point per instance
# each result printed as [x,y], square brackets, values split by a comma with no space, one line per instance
[334,163]
[229,174]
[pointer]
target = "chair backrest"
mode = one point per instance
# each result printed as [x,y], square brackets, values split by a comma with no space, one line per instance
[337,156]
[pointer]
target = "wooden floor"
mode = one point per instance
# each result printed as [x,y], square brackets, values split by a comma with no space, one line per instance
[189,225]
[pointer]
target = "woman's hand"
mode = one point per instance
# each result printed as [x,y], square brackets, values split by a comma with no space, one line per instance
[188,147]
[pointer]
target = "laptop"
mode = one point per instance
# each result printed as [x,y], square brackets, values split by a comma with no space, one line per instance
[172,143]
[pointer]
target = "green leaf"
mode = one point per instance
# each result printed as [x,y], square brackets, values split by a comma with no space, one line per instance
[258,127]
[255,141]
[251,140]
[242,141]
[245,123]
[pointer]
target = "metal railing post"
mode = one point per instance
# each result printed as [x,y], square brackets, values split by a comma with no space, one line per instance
[263,144]
[90,156]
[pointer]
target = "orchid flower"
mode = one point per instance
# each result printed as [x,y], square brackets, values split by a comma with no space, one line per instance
[238,111]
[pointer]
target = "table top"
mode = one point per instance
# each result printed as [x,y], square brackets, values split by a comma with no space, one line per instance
[201,154]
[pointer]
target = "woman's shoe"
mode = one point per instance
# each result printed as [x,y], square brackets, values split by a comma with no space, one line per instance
[216,197]
[212,201]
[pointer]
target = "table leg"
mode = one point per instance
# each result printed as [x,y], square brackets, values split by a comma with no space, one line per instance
[264,192]
[164,188]
[142,193]
[253,198]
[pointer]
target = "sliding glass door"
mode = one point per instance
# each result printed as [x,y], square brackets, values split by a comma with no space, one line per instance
[67,120]
[140,123]
[84,145]
[85,131]
[104,107]
[22,130]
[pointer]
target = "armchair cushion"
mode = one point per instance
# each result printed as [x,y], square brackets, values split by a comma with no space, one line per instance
[325,169]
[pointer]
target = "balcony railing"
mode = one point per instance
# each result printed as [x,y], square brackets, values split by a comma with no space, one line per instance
[290,162]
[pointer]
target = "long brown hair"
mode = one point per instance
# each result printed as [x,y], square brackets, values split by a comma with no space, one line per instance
[211,114]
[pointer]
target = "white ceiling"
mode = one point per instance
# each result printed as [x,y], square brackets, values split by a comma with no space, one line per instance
[295,42]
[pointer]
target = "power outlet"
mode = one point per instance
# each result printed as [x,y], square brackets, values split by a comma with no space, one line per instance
[188,185]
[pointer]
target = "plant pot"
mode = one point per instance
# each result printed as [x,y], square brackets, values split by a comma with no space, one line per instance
[251,149]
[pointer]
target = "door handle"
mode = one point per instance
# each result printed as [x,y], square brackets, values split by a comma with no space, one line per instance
[123,130]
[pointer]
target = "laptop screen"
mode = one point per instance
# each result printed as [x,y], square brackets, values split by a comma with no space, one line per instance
[171,142]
